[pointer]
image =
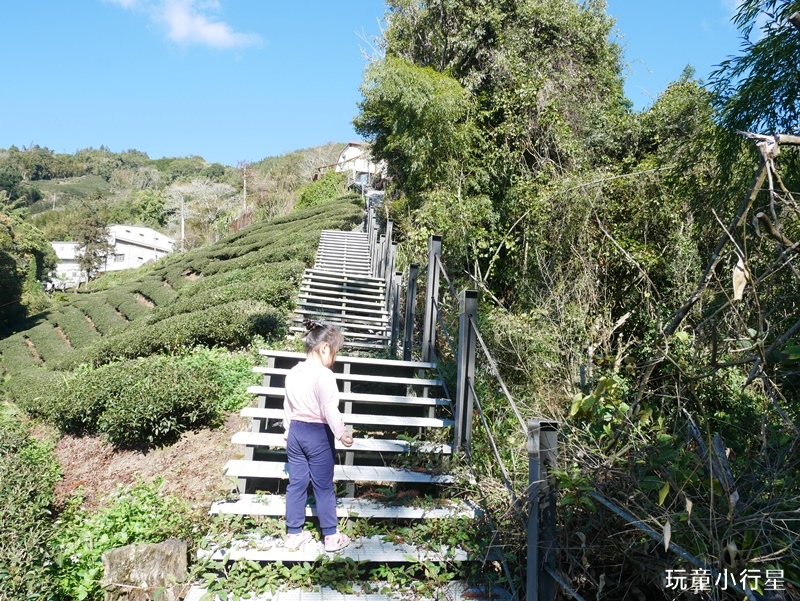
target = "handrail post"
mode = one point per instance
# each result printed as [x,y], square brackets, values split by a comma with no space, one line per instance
[395,314]
[431,297]
[390,261]
[382,257]
[373,242]
[542,453]
[468,311]
[410,316]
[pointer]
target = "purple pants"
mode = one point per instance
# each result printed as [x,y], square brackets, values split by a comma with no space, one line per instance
[310,450]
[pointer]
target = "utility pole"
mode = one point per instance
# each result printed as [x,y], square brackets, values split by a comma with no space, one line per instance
[183,223]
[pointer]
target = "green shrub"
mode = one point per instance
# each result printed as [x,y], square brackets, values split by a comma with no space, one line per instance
[123,298]
[47,342]
[279,294]
[28,472]
[283,270]
[34,390]
[173,273]
[230,325]
[75,326]
[232,372]
[155,290]
[331,185]
[139,514]
[302,248]
[16,354]
[151,401]
[103,316]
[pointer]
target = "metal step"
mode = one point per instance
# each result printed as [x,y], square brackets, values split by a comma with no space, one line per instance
[241,468]
[333,298]
[351,339]
[451,591]
[339,315]
[279,371]
[373,548]
[360,419]
[342,304]
[352,360]
[275,505]
[343,291]
[372,313]
[356,397]
[361,281]
[364,445]
[347,328]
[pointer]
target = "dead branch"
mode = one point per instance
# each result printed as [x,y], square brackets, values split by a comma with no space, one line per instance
[625,253]
[773,231]
[681,313]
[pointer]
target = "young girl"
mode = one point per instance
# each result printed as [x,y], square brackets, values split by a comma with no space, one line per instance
[312,420]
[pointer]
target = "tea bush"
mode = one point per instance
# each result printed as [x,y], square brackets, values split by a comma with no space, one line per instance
[155,290]
[230,325]
[16,354]
[149,401]
[33,390]
[107,321]
[49,345]
[283,270]
[123,299]
[28,472]
[279,294]
[75,326]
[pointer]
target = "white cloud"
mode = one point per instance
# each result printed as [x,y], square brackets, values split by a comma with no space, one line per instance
[191,22]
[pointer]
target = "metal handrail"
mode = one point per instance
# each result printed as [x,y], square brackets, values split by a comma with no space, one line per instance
[496,372]
[446,279]
[444,327]
[506,477]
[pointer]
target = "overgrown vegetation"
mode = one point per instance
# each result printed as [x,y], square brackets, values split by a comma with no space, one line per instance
[605,243]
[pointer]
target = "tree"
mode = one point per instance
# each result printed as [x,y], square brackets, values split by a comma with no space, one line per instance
[759,89]
[478,106]
[25,259]
[205,206]
[91,234]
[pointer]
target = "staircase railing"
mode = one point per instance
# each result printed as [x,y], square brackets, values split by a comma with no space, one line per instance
[383,259]
[542,576]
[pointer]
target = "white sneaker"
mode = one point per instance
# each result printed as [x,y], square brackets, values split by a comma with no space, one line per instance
[335,542]
[293,541]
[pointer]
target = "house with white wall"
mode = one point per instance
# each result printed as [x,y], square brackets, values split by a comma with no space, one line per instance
[356,160]
[133,246]
[67,273]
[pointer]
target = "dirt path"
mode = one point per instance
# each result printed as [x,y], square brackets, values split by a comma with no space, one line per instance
[191,468]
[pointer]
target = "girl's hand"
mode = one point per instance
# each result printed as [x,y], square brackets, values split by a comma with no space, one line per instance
[347,439]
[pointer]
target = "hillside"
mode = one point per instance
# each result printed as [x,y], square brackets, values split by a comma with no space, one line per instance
[223,295]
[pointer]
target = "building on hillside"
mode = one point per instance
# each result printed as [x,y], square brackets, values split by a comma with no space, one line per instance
[133,246]
[68,272]
[356,160]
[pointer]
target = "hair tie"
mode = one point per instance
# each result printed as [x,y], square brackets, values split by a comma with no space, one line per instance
[312,325]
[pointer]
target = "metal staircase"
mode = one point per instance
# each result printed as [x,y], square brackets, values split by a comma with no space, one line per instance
[402,422]
[342,289]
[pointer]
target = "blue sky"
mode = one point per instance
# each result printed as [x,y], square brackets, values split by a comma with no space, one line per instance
[234,80]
